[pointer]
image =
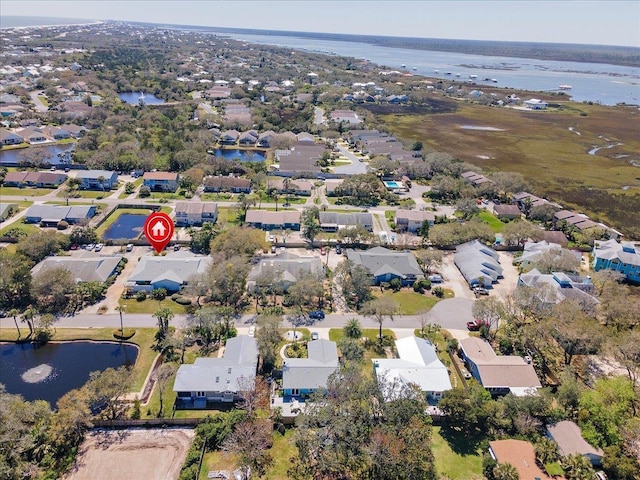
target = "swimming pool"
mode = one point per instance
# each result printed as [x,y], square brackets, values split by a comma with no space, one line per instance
[392,185]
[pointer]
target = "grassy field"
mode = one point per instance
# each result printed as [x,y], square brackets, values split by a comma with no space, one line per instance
[541,146]
[24,192]
[455,456]
[490,219]
[409,302]
[150,306]
[144,338]
[25,227]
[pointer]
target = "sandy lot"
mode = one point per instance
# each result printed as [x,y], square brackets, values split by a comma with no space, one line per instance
[144,454]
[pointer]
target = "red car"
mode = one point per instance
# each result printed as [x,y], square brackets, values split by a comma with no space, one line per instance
[475,325]
[322,251]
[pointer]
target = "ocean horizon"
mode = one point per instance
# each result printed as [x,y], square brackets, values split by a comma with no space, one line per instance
[7,22]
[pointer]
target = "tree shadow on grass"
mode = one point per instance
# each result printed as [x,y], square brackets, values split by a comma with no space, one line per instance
[461,442]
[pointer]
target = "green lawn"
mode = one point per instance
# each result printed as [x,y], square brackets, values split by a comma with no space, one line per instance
[28,228]
[98,194]
[455,459]
[409,302]
[336,334]
[487,217]
[24,192]
[150,306]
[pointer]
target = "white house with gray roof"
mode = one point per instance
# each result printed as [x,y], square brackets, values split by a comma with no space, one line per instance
[385,264]
[334,221]
[218,379]
[418,364]
[170,272]
[50,215]
[83,268]
[303,376]
[284,269]
[478,263]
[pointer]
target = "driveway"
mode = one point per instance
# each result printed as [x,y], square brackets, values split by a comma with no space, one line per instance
[37,102]
[452,313]
[506,285]
[453,279]
[356,165]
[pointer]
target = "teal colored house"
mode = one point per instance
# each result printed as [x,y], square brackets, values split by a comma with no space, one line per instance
[622,257]
[303,376]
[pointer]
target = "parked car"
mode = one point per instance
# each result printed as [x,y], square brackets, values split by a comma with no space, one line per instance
[314,336]
[271,238]
[480,291]
[129,247]
[435,278]
[99,246]
[89,246]
[339,250]
[273,249]
[73,247]
[252,330]
[176,248]
[322,251]
[474,325]
[316,314]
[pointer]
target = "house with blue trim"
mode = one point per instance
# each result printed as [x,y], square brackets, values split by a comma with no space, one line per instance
[270,220]
[478,263]
[97,179]
[50,215]
[303,376]
[161,181]
[385,264]
[622,257]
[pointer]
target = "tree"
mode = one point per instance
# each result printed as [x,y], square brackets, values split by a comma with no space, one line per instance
[306,293]
[310,223]
[519,231]
[489,311]
[163,317]
[244,203]
[83,235]
[268,337]
[144,191]
[546,450]
[430,259]
[238,241]
[575,333]
[351,350]
[13,313]
[227,280]
[107,388]
[423,231]
[250,440]
[559,260]
[101,180]
[505,471]
[380,309]
[352,329]
[120,309]
[38,246]
[626,350]
[162,376]
[28,316]
[354,281]
[577,467]
[201,238]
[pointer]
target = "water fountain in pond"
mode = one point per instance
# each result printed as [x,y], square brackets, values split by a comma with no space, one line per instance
[37,374]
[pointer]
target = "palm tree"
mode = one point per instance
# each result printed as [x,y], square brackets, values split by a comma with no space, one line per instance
[286,187]
[27,316]
[546,451]
[505,471]
[352,329]
[14,312]
[120,309]
[101,179]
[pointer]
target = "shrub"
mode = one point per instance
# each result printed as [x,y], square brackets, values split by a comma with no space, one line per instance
[141,296]
[438,292]
[159,293]
[62,225]
[175,296]
[126,335]
[183,301]
[395,284]
[144,192]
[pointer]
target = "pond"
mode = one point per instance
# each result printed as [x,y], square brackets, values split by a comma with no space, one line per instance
[53,154]
[49,371]
[126,226]
[136,98]
[242,155]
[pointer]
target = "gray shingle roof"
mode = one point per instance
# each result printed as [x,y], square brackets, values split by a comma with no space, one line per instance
[226,374]
[83,269]
[314,371]
[175,267]
[380,260]
[475,260]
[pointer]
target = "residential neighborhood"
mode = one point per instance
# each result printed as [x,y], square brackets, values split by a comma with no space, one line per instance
[344,295]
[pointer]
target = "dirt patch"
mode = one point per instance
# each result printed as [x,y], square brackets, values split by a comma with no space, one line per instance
[132,454]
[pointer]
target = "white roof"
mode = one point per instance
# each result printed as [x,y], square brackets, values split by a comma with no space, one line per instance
[418,364]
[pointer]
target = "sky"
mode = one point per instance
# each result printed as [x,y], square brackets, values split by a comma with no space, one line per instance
[603,22]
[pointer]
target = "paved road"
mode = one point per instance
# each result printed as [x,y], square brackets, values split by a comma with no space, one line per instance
[452,313]
[356,165]
[38,105]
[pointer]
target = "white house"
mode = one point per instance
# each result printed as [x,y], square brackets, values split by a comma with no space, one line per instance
[170,272]
[535,104]
[418,365]
[218,379]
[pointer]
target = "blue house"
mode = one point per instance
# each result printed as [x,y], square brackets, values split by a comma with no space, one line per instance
[97,179]
[50,215]
[622,257]
[161,181]
[303,376]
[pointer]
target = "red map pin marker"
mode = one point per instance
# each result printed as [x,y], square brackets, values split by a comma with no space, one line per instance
[158,228]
